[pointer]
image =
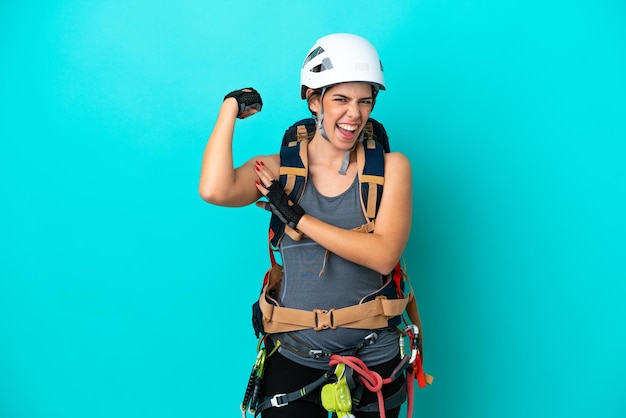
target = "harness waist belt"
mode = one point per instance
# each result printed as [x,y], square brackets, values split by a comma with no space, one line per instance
[373,314]
[293,344]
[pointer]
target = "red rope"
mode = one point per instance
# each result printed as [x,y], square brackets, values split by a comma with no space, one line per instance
[371,380]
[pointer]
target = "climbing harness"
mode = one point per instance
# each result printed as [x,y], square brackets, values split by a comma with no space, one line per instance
[294,345]
[343,384]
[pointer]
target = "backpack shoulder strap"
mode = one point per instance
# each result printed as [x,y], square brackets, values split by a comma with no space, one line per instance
[302,129]
[293,173]
[294,169]
[378,133]
[371,171]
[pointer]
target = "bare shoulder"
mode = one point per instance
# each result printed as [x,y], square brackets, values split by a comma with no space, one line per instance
[397,165]
[394,214]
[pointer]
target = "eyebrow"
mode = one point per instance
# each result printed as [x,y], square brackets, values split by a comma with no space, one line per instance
[343,96]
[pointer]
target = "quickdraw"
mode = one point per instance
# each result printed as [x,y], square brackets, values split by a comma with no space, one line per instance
[252,394]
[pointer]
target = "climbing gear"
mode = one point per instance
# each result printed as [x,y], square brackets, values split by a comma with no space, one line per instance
[370,379]
[320,120]
[351,373]
[294,345]
[415,371]
[309,393]
[340,58]
[336,397]
[282,399]
[246,100]
[374,382]
[382,309]
[252,394]
[278,204]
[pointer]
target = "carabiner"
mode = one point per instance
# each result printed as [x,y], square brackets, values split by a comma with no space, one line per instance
[413,331]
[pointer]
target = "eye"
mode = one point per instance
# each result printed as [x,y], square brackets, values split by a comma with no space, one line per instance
[366,102]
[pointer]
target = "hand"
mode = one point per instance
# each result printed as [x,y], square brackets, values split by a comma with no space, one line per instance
[249,101]
[277,200]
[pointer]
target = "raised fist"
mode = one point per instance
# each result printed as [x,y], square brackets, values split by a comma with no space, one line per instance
[249,101]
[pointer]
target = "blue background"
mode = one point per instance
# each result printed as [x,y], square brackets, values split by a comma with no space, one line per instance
[123,294]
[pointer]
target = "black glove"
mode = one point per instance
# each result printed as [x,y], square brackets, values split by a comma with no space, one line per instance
[278,204]
[247,100]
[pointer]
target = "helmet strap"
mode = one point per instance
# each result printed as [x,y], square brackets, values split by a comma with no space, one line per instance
[320,119]
[344,164]
[320,126]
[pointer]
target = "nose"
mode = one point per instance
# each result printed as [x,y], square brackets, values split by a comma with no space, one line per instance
[353,109]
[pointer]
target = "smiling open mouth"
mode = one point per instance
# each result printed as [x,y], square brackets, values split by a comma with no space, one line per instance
[347,131]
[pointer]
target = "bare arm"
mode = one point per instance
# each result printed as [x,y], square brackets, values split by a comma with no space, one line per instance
[220,182]
[380,250]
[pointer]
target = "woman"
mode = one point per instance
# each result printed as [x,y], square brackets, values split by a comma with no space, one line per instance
[333,266]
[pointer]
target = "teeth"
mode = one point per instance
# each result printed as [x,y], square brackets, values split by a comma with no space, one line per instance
[351,128]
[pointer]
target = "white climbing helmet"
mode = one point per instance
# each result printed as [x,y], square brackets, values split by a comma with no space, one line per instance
[341,58]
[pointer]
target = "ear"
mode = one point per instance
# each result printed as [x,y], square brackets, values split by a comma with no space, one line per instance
[313,100]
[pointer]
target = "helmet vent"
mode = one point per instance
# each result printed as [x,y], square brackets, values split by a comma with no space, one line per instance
[325,65]
[313,54]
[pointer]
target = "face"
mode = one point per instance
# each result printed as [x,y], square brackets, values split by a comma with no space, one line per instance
[347,107]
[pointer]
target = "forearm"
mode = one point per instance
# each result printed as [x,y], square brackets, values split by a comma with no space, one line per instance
[375,251]
[379,250]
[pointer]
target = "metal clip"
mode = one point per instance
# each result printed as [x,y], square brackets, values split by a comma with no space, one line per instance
[415,342]
[371,338]
[316,354]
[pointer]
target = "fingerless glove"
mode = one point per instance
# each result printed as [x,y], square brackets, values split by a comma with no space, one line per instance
[246,99]
[278,201]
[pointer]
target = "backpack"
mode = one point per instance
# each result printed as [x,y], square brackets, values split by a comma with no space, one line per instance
[293,170]
[381,309]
